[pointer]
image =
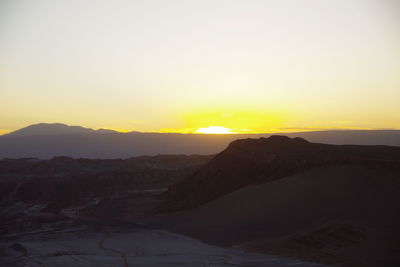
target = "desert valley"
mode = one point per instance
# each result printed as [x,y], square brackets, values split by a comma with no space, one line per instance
[199,133]
[268,201]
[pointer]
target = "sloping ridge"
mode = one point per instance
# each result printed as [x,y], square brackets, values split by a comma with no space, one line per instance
[325,203]
[50,129]
[251,161]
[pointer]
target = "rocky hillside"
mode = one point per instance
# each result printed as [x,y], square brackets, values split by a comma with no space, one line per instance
[253,161]
[331,204]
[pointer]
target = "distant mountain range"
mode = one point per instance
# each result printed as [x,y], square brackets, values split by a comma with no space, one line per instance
[49,140]
[55,129]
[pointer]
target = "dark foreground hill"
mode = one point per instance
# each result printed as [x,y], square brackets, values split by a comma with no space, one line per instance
[45,141]
[254,161]
[332,204]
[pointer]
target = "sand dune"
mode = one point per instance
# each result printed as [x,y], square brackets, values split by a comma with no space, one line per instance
[273,215]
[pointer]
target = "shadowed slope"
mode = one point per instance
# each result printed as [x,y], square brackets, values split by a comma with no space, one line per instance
[251,161]
[325,203]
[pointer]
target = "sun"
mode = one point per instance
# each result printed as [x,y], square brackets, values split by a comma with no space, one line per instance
[215,130]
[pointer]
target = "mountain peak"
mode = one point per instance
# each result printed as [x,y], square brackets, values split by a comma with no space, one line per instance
[50,129]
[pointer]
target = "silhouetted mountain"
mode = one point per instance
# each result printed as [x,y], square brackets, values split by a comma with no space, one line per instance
[326,203]
[50,129]
[67,141]
[50,140]
[251,161]
[55,129]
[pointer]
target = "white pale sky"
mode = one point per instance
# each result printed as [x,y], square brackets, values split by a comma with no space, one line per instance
[179,65]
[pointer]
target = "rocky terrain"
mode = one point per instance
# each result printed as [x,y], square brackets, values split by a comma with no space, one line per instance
[80,212]
[297,200]
[255,161]
[332,204]
[37,191]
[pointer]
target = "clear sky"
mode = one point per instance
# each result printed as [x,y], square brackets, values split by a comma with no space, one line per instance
[181,65]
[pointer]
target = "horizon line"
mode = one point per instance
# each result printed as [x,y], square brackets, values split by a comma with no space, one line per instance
[196,132]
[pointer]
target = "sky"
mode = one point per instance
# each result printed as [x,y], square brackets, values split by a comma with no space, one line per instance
[184,65]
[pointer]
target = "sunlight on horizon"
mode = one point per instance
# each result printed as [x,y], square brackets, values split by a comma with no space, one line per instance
[215,130]
[153,66]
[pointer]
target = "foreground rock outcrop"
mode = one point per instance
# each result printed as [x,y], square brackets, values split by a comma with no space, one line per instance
[331,204]
[253,161]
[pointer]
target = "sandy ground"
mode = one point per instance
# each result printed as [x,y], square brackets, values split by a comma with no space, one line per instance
[134,247]
[290,216]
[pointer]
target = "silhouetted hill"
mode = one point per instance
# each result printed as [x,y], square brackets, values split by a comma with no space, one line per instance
[50,129]
[326,203]
[50,140]
[251,161]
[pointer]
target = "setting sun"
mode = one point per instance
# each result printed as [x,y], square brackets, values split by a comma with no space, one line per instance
[215,130]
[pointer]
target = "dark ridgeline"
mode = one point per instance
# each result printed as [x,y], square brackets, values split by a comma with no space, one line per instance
[50,129]
[254,161]
[326,203]
[45,141]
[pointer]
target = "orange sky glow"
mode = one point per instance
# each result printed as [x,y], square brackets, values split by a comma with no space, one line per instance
[201,66]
